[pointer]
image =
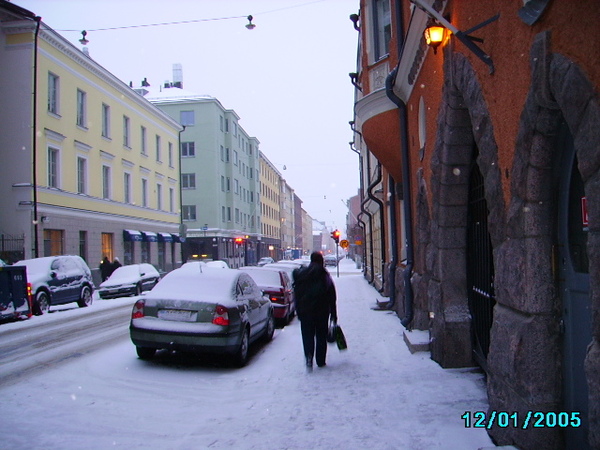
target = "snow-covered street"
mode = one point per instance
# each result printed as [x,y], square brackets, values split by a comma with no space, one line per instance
[375,395]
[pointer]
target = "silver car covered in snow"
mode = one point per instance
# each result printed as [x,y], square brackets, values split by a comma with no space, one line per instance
[202,309]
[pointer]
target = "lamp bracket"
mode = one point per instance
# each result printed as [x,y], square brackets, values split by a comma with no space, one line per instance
[460,35]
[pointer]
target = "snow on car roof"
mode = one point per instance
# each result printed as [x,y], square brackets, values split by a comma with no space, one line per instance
[186,284]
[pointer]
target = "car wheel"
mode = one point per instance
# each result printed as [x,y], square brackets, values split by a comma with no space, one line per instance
[269,329]
[145,352]
[240,358]
[86,297]
[42,303]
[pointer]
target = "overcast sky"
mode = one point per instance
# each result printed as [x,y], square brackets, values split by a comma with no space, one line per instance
[287,78]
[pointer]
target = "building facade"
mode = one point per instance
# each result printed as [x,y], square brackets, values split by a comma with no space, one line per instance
[220,178]
[489,155]
[89,167]
[270,204]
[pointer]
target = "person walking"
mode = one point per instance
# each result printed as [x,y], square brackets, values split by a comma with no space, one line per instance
[115,265]
[105,268]
[315,304]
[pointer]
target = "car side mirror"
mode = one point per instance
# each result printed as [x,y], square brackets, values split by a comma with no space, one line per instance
[142,274]
[53,274]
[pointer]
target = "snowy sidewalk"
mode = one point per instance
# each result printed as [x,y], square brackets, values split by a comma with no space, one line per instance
[375,395]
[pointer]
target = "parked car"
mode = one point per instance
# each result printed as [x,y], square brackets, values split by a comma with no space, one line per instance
[265,260]
[287,268]
[330,260]
[218,264]
[220,311]
[56,280]
[132,279]
[277,285]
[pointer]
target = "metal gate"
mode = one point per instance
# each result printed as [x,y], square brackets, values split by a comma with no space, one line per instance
[480,268]
[574,284]
[12,248]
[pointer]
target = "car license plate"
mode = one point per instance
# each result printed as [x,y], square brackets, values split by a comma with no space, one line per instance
[179,315]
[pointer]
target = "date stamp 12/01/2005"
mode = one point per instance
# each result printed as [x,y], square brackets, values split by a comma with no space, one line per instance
[533,419]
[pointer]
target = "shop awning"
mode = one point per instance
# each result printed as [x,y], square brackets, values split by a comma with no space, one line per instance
[149,236]
[132,235]
[165,237]
[177,238]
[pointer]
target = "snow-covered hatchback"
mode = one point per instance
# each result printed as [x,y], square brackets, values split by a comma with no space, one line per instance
[56,280]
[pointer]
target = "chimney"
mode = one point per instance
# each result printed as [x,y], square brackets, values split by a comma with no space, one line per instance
[177,76]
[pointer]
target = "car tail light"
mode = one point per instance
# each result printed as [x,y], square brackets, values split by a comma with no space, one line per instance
[277,297]
[30,297]
[221,316]
[138,310]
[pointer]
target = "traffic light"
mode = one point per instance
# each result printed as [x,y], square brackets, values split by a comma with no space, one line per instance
[335,235]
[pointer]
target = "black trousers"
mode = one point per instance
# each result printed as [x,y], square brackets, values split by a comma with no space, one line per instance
[314,338]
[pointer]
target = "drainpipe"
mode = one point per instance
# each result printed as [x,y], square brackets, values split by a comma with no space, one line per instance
[382,222]
[403,122]
[370,216]
[393,242]
[36,246]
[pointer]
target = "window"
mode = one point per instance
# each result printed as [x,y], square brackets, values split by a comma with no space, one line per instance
[187,118]
[382,28]
[223,214]
[188,149]
[171,154]
[83,244]
[222,183]
[53,167]
[144,193]
[235,158]
[226,125]
[188,181]
[81,108]
[54,242]
[189,212]
[107,246]
[221,122]
[53,92]
[126,132]
[171,200]
[127,187]
[236,186]
[228,184]
[81,175]
[106,182]
[159,204]
[143,141]
[158,150]
[229,214]
[227,154]
[105,120]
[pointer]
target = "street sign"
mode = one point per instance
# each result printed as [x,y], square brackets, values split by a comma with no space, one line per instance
[344,243]
[357,242]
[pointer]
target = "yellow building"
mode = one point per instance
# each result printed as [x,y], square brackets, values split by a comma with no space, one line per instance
[89,167]
[270,189]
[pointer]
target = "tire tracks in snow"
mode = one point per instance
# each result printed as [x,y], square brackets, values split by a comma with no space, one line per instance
[24,352]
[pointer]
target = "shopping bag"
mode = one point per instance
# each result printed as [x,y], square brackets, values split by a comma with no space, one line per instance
[331,332]
[340,339]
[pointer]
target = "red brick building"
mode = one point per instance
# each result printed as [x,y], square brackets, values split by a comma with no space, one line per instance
[481,176]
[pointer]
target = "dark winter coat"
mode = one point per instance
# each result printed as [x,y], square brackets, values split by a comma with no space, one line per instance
[105,269]
[314,292]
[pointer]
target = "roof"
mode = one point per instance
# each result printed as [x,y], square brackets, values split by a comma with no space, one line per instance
[174,95]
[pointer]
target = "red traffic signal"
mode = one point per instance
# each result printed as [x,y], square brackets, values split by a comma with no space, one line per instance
[335,235]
